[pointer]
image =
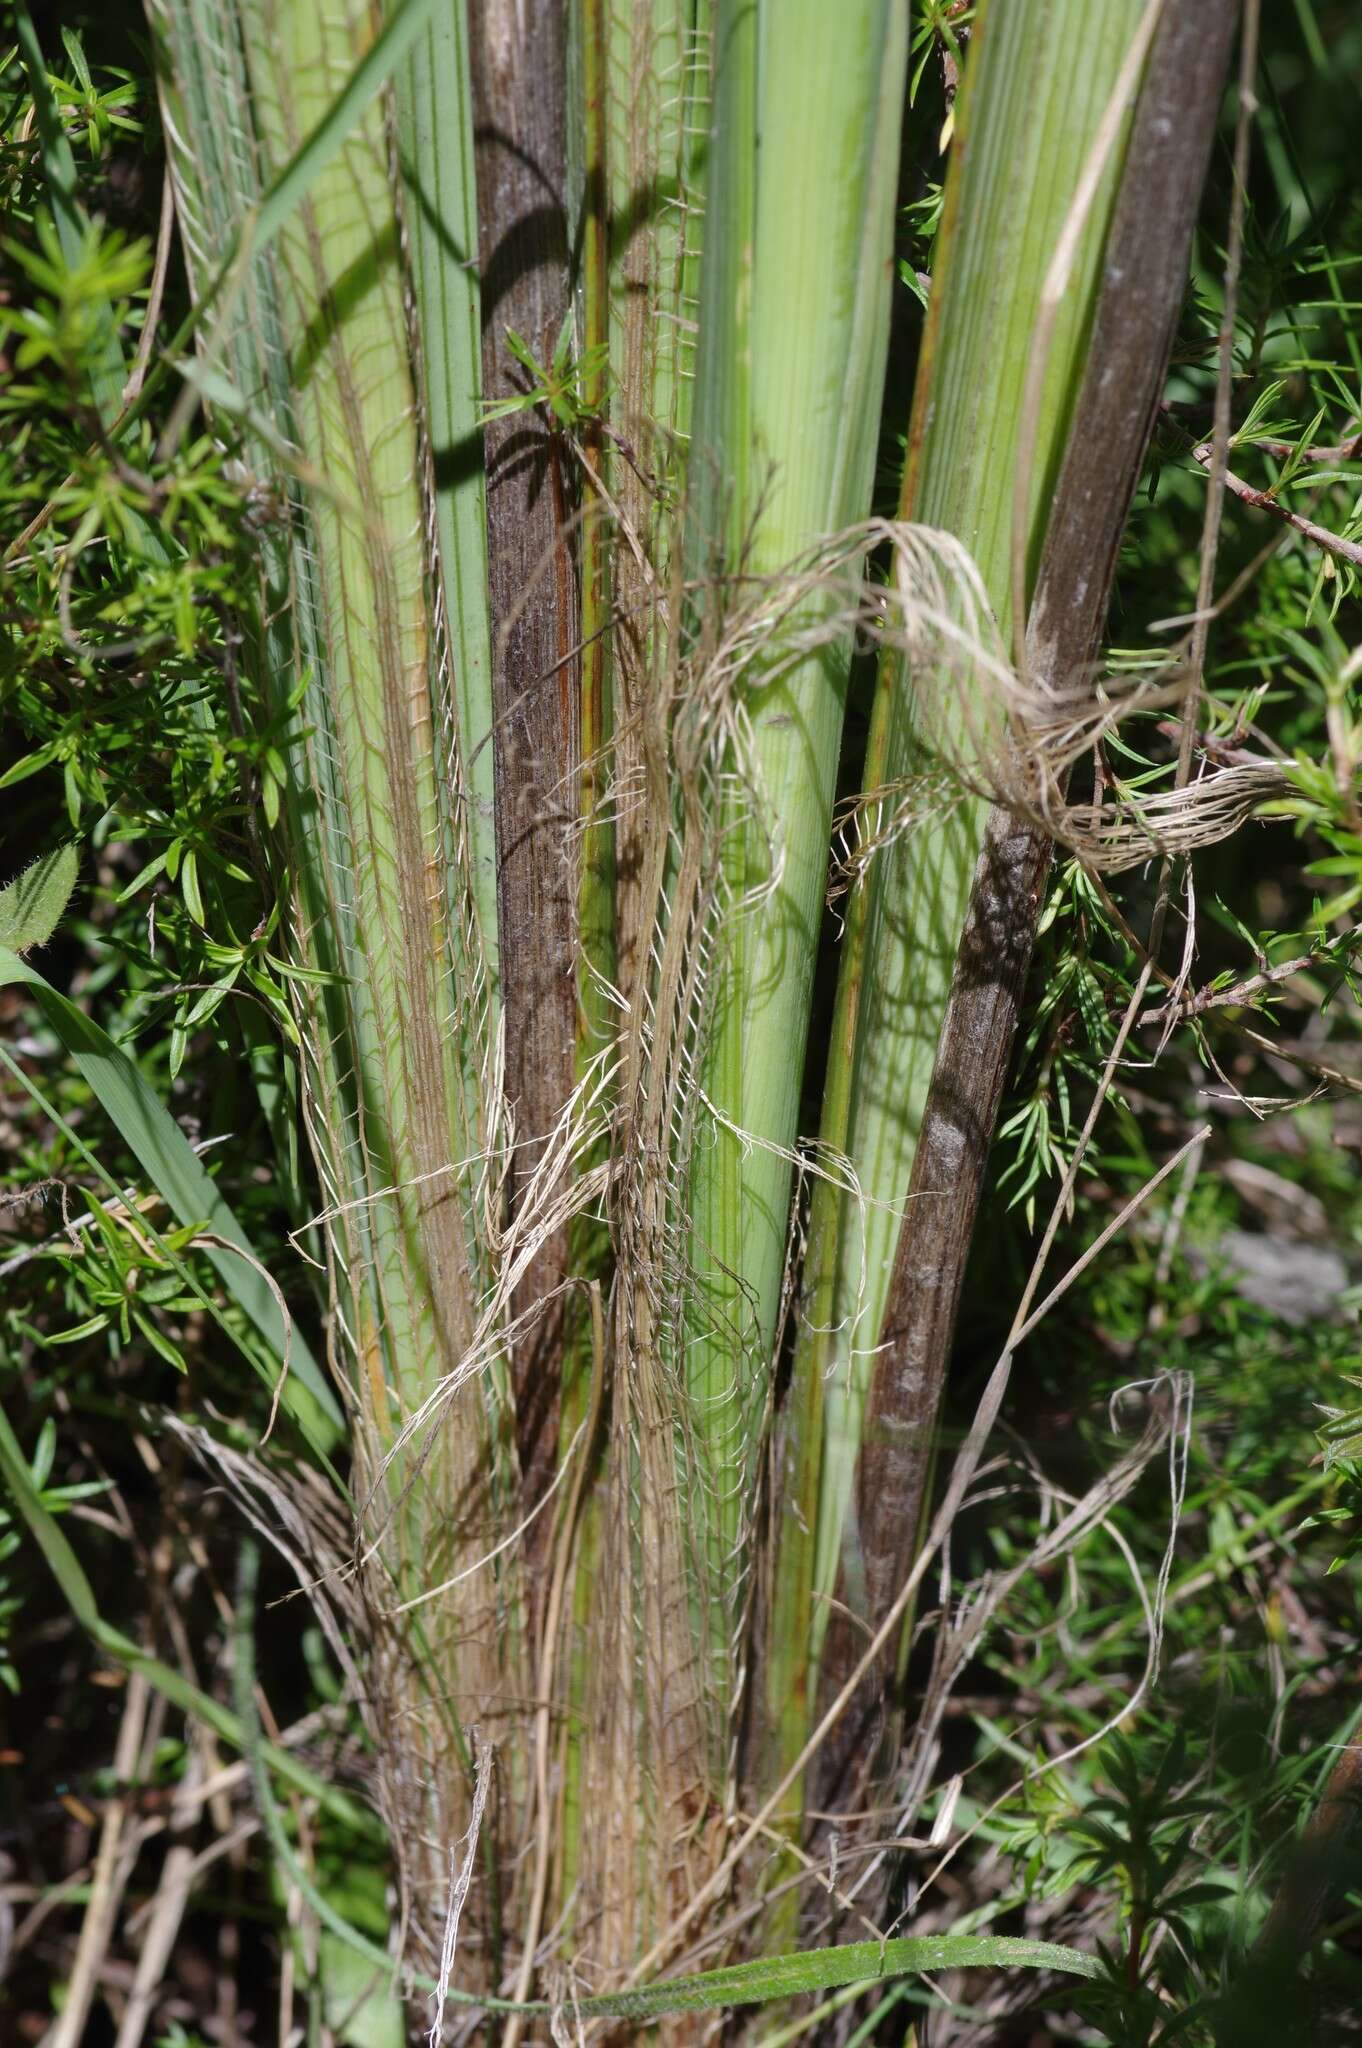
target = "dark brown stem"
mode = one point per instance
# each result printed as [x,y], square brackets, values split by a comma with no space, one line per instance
[518,67]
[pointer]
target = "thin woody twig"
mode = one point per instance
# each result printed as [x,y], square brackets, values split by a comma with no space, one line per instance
[1342,451]
[1234,997]
[1118,1222]
[1347,450]
[1263,501]
[151,318]
[1304,1061]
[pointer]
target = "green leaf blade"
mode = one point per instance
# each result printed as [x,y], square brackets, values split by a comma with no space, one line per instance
[32,905]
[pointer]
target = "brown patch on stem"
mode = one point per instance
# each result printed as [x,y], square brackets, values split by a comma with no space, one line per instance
[518,71]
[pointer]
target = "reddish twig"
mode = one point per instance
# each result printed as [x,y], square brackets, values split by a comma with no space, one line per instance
[1263,501]
[1342,451]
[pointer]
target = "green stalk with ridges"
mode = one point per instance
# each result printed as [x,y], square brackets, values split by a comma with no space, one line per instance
[1039,78]
[795,300]
[375,850]
[355,414]
[434,110]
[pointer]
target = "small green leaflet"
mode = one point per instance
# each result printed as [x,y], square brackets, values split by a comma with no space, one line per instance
[32,904]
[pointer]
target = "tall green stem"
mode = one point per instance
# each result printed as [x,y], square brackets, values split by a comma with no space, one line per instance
[1039,78]
[374,854]
[794,325]
[433,99]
